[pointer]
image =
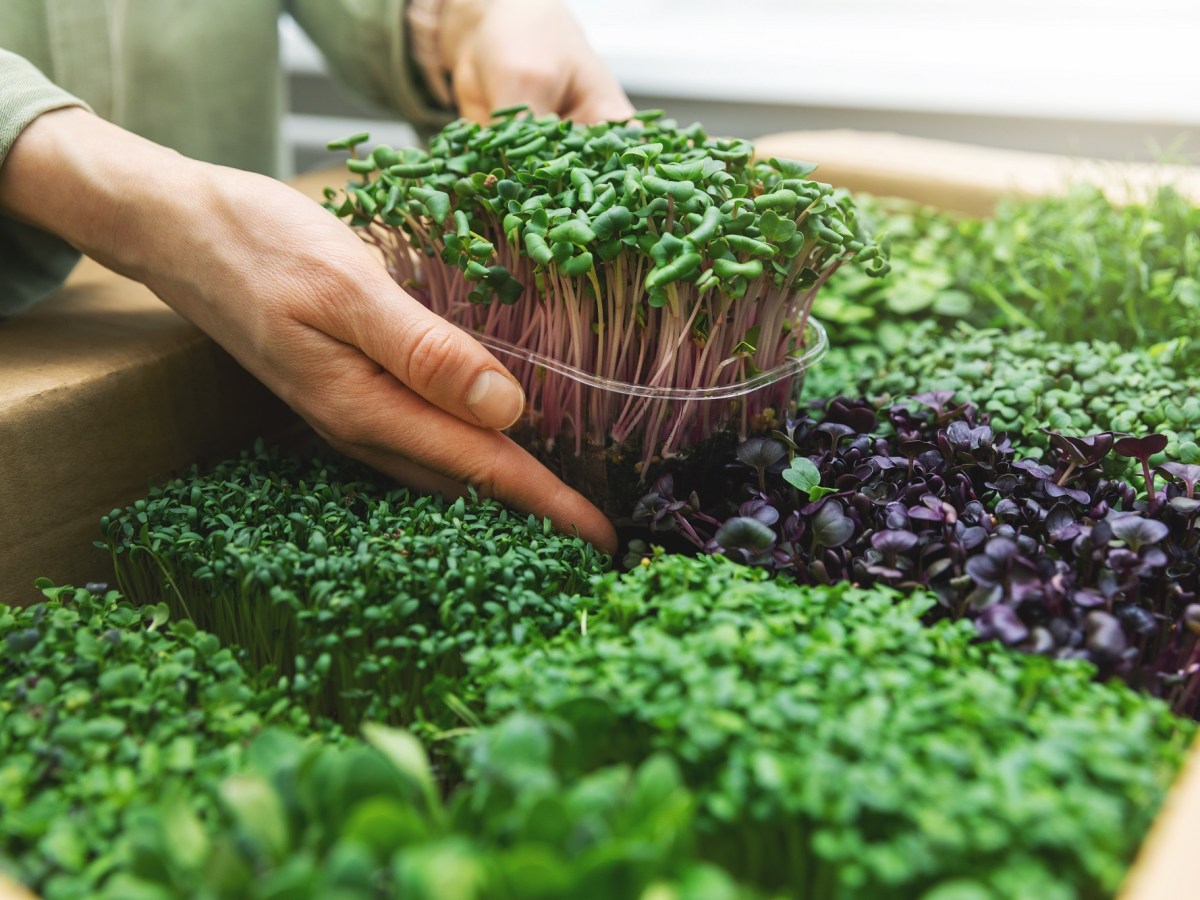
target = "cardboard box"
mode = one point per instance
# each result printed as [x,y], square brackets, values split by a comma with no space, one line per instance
[104,390]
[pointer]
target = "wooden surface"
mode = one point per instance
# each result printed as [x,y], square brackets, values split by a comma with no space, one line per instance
[959,177]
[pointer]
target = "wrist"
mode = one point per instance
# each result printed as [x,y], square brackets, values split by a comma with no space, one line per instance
[106,191]
[459,18]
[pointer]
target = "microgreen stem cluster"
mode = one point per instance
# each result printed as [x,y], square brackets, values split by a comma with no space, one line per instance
[637,251]
[362,598]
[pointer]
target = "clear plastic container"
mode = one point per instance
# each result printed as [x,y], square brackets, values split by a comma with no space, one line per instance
[609,438]
[669,393]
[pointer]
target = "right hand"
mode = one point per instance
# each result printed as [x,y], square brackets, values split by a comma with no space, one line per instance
[299,301]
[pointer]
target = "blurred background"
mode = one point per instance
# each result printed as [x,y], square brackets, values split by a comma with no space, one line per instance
[1095,78]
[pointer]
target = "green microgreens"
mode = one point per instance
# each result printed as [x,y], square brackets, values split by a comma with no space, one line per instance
[640,252]
[840,747]
[1026,382]
[363,597]
[104,709]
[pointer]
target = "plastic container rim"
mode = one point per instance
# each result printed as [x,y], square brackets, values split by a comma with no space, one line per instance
[816,346]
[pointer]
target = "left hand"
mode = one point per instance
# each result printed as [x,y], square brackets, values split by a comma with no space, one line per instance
[506,52]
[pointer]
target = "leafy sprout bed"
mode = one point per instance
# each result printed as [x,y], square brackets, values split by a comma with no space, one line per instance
[708,733]
[363,598]
[1050,557]
[954,650]
[648,284]
[1074,268]
[1028,383]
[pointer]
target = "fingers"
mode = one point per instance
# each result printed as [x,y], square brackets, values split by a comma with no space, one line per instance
[532,54]
[585,521]
[437,360]
[367,413]
[595,95]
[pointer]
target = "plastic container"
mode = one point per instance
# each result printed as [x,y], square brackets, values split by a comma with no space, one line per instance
[610,438]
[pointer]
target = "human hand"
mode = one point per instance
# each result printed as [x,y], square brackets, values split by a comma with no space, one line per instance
[299,301]
[506,52]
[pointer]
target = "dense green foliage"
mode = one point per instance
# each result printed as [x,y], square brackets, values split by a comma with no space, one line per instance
[838,747]
[1027,382]
[703,724]
[365,820]
[364,597]
[572,198]
[1076,267]
[104,709]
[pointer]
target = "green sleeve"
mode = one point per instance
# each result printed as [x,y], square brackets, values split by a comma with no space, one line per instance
[365,43]
[32,262]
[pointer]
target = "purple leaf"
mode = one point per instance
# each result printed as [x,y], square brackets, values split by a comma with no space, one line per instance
[759,510]
[761,453]
[1141,448]
[1000,622]
[1188,475]
[1082,451]
[1138,532]
[1079,495]
[861,419]
[1191,618]
[1185,505]
[1088,599]
[985,571]
[1061,524]
[1105,638]
[831,528]
[891,542]
[744,533]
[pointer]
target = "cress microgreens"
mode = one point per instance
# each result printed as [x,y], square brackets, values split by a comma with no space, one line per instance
[636,251]
[839,747]
[363,597]
[1050,558]
[1074,267]
[104,708]
[1028,383]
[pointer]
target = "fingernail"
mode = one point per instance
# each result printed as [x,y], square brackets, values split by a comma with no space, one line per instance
[495,400]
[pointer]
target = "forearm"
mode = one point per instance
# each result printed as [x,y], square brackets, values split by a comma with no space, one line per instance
[91,183]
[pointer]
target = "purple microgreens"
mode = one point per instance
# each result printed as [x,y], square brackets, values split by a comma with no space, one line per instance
[948,506]
[1142,449]
[742,536]
[830,526]
[1106,642]
[859,417]
[1000,622]
[939,402]
[1187,475]
[835,431]
[1079,452]
[1137,532]
[760,454]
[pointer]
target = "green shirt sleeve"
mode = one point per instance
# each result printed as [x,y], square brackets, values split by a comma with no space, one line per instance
[33,263]
[365,43]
